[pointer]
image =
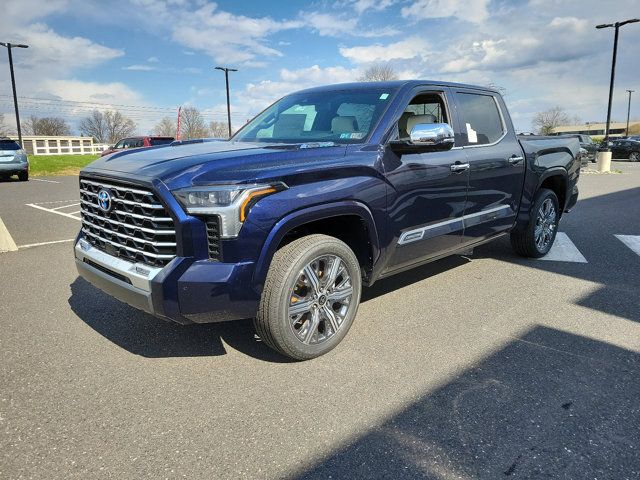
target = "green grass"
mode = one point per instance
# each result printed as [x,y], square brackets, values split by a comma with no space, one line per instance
[42,165]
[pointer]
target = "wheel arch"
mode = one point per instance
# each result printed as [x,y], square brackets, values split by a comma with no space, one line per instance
[350,221]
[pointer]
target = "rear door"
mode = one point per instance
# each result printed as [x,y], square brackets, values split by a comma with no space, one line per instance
[496,161]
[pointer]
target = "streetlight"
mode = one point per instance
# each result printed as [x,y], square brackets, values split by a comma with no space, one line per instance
[226,77]
[628,111]
[9,46]
[617,26]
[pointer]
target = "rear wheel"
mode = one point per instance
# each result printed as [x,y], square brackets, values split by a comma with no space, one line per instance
[536,239]
[23,176]
[634,156]
[310,297]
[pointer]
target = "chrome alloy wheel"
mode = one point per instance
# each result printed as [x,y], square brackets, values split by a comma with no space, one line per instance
[320,299]
[545,225]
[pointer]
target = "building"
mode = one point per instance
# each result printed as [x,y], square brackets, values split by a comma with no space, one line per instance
[616,129]
[42,145]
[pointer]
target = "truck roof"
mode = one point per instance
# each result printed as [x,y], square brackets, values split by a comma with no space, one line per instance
[392,85]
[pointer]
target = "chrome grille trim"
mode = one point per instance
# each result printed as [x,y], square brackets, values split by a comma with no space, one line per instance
[137,229]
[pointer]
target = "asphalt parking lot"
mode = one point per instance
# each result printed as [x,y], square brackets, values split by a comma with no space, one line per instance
[474,367]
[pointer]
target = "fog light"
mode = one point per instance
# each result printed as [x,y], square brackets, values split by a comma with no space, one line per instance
[142,271]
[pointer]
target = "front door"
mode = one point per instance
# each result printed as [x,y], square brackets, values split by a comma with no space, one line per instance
[427,196]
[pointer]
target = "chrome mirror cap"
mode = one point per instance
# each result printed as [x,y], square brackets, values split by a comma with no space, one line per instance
[432,134]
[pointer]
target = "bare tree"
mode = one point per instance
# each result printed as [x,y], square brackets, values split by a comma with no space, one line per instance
[378,73]
[107,127]
[48,126]
[219,129]
[192,124]
[165,127]
[546,121]
[94,126]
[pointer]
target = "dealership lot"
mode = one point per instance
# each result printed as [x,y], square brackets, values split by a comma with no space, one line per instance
[479,366]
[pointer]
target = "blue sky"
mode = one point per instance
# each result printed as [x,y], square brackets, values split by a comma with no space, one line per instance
[152,55]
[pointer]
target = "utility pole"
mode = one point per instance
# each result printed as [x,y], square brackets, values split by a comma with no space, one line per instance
[9,46]
[226,77]
[628,112]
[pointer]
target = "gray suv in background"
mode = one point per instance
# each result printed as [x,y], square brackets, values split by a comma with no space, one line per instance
[13,160]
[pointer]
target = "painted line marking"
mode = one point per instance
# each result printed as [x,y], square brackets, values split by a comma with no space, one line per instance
[31,245]
[65,206]
[564,250]
[55,201]
[73,213]
[6,240]
[68,215]
[43,180]
[631,241]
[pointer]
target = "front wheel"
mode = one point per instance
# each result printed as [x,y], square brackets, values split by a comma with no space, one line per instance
[536,239]
[23,176]
[310,297]
[634,156]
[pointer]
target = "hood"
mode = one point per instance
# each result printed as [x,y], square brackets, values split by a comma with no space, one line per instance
[211,162]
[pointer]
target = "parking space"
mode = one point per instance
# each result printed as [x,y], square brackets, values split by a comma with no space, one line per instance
[481,366]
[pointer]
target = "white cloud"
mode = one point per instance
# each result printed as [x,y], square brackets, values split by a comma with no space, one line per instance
[413,47]
[153,60]
[360,6]
[328,25]
[139,68]
[470,10]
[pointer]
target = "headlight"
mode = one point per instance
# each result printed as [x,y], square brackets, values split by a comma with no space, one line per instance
[231,202]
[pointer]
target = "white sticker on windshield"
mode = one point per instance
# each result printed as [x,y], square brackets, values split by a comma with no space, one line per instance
[472,134]
[384,96]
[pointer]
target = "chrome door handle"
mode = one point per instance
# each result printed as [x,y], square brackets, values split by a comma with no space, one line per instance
[515,159]
[459,167]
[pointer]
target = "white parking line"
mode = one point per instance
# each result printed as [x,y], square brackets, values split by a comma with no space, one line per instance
[46,243]
[68,215]
[631,241]
[6,241]
[564,250]
[65,206]
[43,180]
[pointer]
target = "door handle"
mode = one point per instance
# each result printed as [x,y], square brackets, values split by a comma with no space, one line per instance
[459,167]
[515,159]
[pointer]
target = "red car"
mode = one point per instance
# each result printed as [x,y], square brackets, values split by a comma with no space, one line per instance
[137,142]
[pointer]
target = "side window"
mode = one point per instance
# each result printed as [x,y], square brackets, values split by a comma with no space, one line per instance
[139,142]
[120,144]
[425,108]
[481,118]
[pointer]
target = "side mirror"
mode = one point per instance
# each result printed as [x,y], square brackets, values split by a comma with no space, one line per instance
[426,137]
[437,135]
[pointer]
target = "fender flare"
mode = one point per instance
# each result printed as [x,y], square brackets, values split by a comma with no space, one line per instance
[308,215]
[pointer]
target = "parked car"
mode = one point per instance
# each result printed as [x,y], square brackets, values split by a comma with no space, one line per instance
[137,142]
[625,148]
[587,143]
[13,160]
[326,191]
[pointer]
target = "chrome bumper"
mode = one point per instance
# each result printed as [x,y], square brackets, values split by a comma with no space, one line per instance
[126,281]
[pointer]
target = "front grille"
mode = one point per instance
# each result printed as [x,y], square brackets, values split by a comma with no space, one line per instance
[213,237]
[137,228]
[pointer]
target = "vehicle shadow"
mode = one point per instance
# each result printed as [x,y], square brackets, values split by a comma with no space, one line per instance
[145,335]
[592,227]
[549,404]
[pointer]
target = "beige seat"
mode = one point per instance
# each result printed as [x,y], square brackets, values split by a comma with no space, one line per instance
[414,120]
[345,124]
[402,124]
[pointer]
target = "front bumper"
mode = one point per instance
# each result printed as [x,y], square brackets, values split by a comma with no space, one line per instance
[185,291]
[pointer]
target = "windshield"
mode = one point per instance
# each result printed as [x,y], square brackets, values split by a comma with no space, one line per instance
[9,145]
[340,116]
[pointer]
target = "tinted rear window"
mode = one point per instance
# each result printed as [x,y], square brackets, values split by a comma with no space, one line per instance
[481,118]
[161,141]
[9,145]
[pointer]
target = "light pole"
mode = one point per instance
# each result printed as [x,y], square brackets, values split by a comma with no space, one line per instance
[226,78]
[628,111]
[617,26]
[13,83]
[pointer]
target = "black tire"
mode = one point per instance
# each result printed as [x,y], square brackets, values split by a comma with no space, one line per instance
[523,240]
[23,176]
[274,324]
[634,156]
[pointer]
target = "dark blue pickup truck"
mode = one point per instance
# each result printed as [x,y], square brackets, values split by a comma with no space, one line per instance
[324,192]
